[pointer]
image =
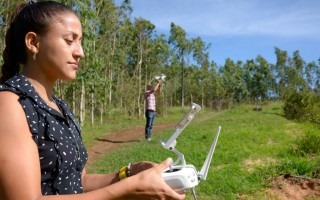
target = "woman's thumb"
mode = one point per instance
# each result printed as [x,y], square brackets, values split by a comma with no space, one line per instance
[165,164]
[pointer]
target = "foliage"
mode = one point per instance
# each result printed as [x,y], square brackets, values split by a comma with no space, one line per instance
[302,106]
[307,145]
[258,78]
[124,53]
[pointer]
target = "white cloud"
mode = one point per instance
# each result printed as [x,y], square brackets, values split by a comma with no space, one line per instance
[295,18]
[240,29]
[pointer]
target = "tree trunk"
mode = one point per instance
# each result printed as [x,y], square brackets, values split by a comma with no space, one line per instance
[82,103]
[182,81]
[139,77]
[92,108]
[73,100]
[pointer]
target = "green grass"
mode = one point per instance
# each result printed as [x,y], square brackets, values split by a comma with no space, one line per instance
[253,148]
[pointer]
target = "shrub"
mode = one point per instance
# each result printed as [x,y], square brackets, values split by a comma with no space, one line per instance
[308,145]
[302,106]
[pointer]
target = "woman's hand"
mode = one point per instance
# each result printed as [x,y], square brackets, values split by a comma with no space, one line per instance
[138,167]
[149,184]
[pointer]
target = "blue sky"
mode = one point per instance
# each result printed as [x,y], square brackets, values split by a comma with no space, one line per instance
[240,29]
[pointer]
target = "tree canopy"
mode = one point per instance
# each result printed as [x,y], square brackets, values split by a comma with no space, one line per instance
[123,54]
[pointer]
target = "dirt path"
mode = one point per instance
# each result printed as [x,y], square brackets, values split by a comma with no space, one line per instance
[119,137]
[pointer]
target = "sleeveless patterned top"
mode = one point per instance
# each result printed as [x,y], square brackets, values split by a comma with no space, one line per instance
[62,155]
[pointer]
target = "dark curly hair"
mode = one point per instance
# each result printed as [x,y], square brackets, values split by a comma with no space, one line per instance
[27,17]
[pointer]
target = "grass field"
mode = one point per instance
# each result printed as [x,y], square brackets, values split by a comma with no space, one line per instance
[253,148]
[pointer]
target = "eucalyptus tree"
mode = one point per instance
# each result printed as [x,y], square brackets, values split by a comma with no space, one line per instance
[173,73]
[240,89]
[181,45]
[107,46]
[258,77]
[157,62]
[158,57]
[88,75]
[143,33]
[298,73]
[233,82]
[264,78]
[6,9]
[300,103]
[281,70]
[212,91]
[124,46]
[201,56]
[215,89]
[291,73]
[193,84]
[313,76]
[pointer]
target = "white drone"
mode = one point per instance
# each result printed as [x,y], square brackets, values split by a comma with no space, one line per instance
[186,176]
[160,77]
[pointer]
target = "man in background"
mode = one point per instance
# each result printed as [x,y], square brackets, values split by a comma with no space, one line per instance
[150,103]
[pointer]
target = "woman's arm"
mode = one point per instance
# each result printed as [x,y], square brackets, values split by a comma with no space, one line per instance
[95,181]
[19,159]
[155,89]
[92,182]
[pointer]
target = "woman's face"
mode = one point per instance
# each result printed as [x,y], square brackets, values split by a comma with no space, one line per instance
[60,48]
[149,87]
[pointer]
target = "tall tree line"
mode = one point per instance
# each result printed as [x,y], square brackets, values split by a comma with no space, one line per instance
[123,54]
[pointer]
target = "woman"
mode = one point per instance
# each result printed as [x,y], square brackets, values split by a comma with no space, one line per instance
[150,106]
[42,154]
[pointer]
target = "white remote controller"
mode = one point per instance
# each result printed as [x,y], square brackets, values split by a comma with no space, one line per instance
[186,176]
[181,177]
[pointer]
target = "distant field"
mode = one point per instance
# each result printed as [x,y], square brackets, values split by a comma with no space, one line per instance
[254,146]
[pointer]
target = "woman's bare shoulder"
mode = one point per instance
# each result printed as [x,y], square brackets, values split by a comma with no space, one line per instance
[11,111]
[8,94]
[8,101]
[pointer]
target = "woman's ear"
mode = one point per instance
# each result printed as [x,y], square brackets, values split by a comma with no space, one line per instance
[32,42]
